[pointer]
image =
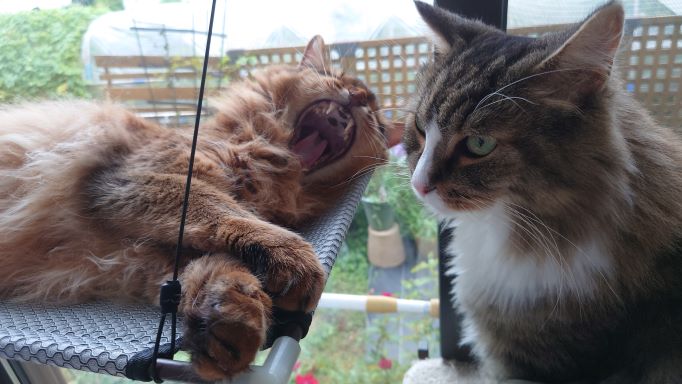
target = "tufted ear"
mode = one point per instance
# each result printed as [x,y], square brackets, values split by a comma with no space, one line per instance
[450,31]
[588,54]
[316,56]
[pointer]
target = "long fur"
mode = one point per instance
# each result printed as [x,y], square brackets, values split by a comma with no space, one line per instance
[567,252]
[90,198]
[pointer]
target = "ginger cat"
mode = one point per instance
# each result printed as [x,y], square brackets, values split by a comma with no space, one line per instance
[90,198]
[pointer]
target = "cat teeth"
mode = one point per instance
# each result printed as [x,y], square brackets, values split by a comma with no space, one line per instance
[347,130]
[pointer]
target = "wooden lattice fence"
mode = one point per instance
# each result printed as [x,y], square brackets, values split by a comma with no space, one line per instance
[165,88]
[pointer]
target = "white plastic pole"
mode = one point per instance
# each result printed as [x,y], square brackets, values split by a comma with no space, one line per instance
[378,304]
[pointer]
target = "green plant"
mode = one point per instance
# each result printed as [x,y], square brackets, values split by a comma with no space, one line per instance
[113,5]
[219,74]
[376,191]
[40,53]
[391,184]
[352,268]
[423,287]
[375,202]
[334,352]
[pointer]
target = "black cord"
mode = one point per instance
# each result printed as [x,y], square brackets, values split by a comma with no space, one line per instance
[171,290]
[188,184]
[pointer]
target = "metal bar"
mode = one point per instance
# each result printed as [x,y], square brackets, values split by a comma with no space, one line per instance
[276,369]
[7,374]
[32,373]
[450,320]
[175,30]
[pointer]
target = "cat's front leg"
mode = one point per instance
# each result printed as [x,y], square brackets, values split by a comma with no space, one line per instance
[226,316]
[283,260]
[144,205]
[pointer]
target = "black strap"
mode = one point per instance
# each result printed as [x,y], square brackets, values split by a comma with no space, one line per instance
[171,290]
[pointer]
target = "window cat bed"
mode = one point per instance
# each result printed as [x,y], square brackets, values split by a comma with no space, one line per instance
[118,339]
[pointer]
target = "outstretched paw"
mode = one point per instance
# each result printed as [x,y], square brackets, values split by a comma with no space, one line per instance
[295,277]
[227,314]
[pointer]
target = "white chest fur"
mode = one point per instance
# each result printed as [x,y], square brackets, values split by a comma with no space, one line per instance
[490,272]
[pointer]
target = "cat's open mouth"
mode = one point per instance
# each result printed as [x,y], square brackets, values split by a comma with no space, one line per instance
[324,132]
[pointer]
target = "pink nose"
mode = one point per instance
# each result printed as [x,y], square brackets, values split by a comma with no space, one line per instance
[422,188]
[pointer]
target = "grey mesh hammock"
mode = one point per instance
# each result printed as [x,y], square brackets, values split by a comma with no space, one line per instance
[120,339]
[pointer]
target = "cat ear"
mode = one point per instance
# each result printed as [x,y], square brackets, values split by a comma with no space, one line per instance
[449,30]
[315,55]
[590,51]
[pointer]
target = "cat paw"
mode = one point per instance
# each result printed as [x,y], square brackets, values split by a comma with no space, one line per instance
[226,315]
[295,278]
[289,269]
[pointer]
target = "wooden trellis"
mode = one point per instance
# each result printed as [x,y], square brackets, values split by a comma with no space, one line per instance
[165,88]
[650,63]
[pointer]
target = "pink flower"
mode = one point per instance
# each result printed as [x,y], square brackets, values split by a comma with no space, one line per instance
[384,363]
[297,365]
[308,378]
[389,294]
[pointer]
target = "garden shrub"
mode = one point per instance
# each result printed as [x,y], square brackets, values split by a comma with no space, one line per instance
[40,53]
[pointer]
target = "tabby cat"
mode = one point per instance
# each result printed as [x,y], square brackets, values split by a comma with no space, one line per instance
[90,198]
[565,196]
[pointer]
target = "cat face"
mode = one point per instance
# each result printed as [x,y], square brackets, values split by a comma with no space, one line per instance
[513,118]
[331,119]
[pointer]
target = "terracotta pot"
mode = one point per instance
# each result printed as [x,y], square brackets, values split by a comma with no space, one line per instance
[385,248]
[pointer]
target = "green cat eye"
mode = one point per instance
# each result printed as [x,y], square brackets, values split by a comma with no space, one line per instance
[481,145]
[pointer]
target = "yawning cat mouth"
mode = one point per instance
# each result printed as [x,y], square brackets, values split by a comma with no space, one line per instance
[323,133]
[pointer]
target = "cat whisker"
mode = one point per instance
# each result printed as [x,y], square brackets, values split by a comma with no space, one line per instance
[371,157]
[397,109]
[363,171]
[545,241]
[513,226]
[496,92]
[579,250]
[557,256]
[506,98]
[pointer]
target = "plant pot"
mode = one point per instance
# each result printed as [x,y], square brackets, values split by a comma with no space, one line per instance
[385,248]
[380,215]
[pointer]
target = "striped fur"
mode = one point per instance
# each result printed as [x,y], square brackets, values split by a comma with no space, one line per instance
[567,249]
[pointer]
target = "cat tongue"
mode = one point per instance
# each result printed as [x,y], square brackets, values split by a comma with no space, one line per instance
[310,149]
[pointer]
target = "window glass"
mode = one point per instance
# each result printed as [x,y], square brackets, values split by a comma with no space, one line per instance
[650,58]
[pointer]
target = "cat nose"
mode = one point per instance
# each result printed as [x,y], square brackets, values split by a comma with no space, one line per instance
[422,188]
[358,97]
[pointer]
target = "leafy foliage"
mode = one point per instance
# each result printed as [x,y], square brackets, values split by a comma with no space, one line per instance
[40,53]
[114,5]
[390,183]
